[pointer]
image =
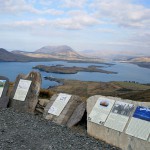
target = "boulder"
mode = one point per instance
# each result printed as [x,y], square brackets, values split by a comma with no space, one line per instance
[112,126]
[70,115]
[4,99]
[24,96]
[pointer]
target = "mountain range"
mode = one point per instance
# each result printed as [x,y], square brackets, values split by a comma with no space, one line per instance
[43,54]
[65,52]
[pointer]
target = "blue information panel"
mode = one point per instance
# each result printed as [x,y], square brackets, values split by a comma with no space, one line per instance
[142,113]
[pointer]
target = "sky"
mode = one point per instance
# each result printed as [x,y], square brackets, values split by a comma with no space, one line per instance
[104,25]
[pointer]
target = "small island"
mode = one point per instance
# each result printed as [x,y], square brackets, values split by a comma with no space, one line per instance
[71,70]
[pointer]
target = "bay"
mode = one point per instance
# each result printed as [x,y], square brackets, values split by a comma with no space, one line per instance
[126,72]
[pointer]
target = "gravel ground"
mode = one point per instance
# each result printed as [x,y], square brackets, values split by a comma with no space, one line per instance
[22,131]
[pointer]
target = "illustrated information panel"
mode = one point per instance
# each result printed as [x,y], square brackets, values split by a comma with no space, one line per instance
[101,110]
[119,116]
[59,104]
[22,90]
[139,125]
[2,84]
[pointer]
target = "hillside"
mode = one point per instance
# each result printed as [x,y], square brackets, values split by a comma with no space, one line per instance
[8,56]
[18,56]
[85,89]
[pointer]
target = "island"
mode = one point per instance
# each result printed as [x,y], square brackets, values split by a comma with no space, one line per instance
[71,70]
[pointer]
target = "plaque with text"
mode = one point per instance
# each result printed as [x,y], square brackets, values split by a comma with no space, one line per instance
[2,84]
[22,89]
[139,125]
[119,116]
[101,110]
[59,104]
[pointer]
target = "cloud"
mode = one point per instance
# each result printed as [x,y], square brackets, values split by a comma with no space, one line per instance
[73,3]
[119,23]
[77,20]
[21,6]
[122,12]
[71,23]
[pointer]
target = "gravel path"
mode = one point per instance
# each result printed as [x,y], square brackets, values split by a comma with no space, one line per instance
[21,131]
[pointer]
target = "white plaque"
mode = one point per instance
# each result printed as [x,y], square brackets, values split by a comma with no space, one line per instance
[119,116]
[2,84]
[22,90]
[101,110]
[59,104]
[139,125]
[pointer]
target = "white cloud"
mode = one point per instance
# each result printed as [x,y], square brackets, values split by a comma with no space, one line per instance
[73,3]
[20,6]
[122,12]
[74,23]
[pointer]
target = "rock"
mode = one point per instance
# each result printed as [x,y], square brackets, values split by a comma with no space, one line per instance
[18,100]
[4,99]
[77,115]
[40,110]
[43,102]
[73,110]
[117,138]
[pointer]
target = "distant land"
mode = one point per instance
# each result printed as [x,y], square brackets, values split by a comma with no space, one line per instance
[62,52]
[6,56]
[46,53]
[66,53]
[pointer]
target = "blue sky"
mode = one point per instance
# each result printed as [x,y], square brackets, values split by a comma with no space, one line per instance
[116,26]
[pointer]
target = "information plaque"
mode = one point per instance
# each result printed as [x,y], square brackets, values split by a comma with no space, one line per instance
[101,110]
[22,89]
[2,84]
[139,125]
[119,116]
[59,104]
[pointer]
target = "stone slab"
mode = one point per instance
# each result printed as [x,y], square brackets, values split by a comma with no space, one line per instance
[74,104]
[31,99]
[4,99]
[111,136]
[4,102]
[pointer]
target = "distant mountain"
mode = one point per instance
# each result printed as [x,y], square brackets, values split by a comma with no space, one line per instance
[8,56]
[60,51]
[114,54]
[140,59]
[53,52]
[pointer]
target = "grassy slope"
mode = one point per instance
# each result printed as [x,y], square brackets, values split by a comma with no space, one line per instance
[124,90]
